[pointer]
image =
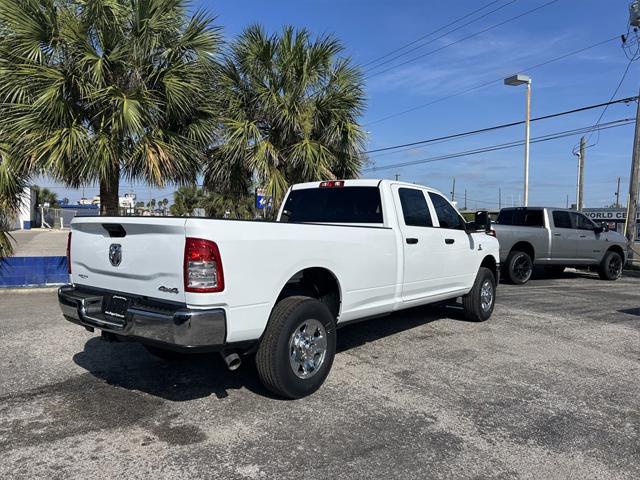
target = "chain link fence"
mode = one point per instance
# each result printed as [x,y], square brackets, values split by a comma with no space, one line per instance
[58,218]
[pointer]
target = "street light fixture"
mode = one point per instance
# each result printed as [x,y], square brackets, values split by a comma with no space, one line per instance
[515,81]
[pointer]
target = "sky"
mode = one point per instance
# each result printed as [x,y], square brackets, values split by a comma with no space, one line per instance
[458,59]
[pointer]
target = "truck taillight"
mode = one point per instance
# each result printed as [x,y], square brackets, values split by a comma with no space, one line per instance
[69,253]
[202,266]
[332,184]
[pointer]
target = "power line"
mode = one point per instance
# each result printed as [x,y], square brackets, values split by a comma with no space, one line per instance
[429,34]
[504,146]
[475,19]
[491,82]
[604,111]
[504,125]
[504,22]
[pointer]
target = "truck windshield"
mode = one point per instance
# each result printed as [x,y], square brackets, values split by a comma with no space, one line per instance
[333,205]
[521,217]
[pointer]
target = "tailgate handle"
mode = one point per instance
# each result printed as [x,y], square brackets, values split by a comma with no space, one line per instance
[412,241]
[115,230]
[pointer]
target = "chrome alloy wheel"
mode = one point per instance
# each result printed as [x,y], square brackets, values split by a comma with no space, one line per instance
[307,348]
[486,296]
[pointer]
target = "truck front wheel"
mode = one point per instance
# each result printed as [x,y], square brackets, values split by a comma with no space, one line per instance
[479,302]
[611,266]
[297,348]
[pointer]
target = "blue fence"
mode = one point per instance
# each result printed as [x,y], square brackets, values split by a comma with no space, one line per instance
[33,271]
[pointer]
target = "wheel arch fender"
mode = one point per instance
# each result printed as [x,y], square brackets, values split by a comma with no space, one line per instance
[526,247]
[490,262]
[617,249]
[314,280]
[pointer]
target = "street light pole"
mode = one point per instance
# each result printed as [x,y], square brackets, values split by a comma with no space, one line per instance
[514,81]
[527,140]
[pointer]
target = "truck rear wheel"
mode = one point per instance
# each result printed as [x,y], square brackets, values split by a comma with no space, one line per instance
[297,348]
[479,302]
[611,266]
[519,267]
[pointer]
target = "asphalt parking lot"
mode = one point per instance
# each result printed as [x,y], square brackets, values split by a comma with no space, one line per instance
[548,388]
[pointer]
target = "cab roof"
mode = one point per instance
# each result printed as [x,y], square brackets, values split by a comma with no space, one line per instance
[363,182]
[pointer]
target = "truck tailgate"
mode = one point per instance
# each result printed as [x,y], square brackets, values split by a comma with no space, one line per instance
[134,255]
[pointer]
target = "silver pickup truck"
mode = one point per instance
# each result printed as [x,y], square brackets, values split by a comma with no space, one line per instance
[556,238]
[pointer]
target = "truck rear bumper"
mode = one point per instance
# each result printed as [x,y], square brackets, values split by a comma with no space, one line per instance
[175,326]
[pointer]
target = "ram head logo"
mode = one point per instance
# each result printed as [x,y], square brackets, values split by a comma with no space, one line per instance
[115,254]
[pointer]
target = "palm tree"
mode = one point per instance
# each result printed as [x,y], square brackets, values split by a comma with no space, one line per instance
[44,195]
[12,183]
[97,90]
[290,108]
[222,205]
[185,200]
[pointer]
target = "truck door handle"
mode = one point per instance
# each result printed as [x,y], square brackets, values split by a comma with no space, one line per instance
[449,241]
[412,241]
[556,234]
[583,236]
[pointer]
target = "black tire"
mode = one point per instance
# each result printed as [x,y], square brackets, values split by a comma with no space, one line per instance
[519,267]
[554,270]
[164,354]
[275,356]
[611,266]
[477,306]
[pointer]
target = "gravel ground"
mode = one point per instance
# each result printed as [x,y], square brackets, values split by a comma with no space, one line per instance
[548,388]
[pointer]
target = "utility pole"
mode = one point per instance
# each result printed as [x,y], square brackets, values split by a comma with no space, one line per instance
[618,194]
[453,190]
[526,145]
[465,198]
[397,176]
[567,205]
[499,198]
[632,209]
[580,189]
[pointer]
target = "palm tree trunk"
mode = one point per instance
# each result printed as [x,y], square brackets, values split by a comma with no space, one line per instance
[109,193]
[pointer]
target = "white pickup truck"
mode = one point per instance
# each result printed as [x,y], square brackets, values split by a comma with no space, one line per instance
[340,251]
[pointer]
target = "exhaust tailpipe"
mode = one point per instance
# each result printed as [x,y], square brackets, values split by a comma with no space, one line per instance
[232,359]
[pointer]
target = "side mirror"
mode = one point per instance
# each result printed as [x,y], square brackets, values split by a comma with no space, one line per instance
[483,220]
[603,227]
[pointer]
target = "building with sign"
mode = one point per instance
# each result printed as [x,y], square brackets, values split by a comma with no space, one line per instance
[615,217]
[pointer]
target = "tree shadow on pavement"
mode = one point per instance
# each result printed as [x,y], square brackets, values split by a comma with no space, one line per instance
[128,365]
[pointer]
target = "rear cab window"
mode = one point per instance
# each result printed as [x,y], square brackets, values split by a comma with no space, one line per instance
[562,219]
[414,208]
[521,217]
[360,205]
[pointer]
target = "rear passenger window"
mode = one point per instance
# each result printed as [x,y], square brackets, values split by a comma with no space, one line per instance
[521,217]
[414,208]
[562,219]
[447,215]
